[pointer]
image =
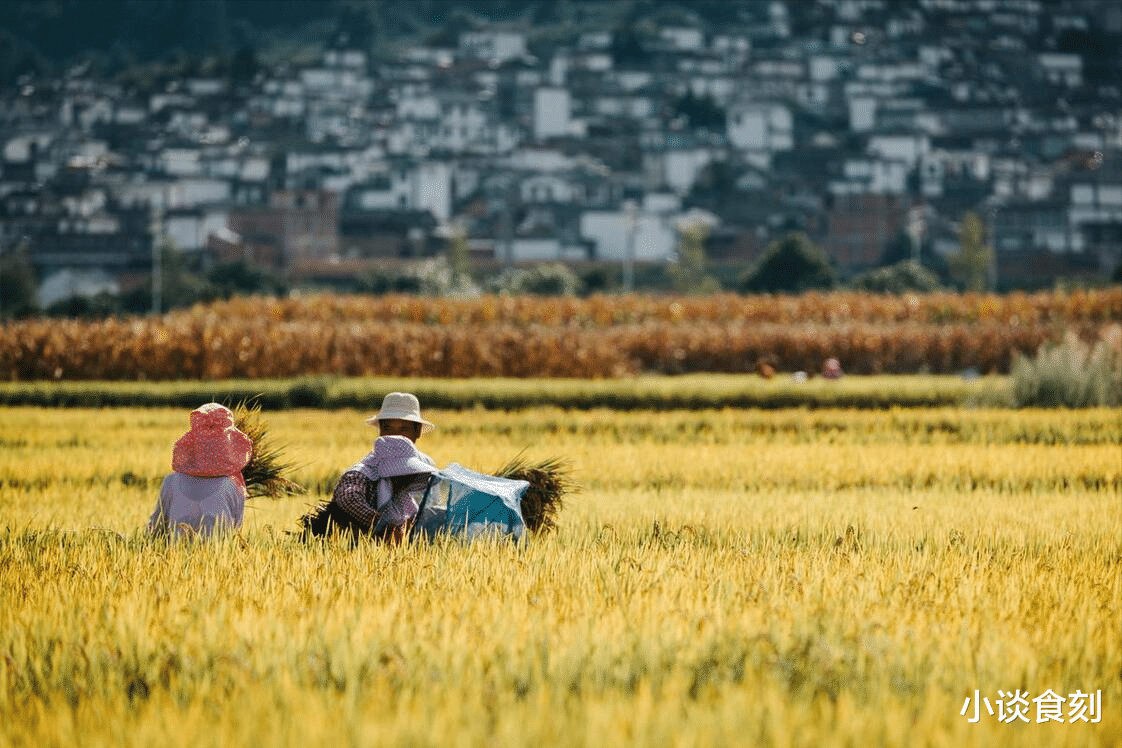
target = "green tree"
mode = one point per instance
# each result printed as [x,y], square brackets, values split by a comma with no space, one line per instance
[178,286]
[702,112]
[458,259]
[970,268]
[239,278]
[626,47]
[791,265]
[689,275]
[901,277]
[18,284]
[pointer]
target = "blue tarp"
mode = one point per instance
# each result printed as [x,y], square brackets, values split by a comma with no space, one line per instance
[467,504]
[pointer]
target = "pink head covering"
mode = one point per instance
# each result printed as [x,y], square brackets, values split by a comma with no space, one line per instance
[214,446]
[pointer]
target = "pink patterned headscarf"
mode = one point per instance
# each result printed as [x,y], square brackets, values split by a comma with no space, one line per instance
[213,447]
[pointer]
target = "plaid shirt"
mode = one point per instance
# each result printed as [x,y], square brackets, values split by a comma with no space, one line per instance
[357,495]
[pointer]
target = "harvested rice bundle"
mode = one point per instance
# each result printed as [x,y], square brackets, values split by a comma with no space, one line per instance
[549,482]
[265,473]
[329,518]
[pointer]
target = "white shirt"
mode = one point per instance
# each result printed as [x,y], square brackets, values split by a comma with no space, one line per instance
[197,506]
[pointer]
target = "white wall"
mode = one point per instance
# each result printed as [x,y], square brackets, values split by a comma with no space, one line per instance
[907,148]
[862,113]
[552,109]
[189,232]
[70,282]
[655,237]
[529,250]
[766,127]
[432,189]
[682,168]
[187,193]
[181,162]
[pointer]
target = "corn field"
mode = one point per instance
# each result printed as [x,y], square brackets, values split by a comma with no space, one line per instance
[724,578]
[598,337]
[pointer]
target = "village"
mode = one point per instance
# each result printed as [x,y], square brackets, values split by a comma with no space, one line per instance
[873,128]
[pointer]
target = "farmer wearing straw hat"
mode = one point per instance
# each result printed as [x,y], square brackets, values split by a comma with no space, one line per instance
[206,493]
[382,492]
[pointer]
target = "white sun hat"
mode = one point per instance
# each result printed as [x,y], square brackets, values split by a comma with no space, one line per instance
[403,406]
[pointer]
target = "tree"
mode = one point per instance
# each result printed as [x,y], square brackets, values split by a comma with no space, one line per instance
[239,278]
[898,249]
[900,277]
[18,285]
[354,29]
[458,258]
[688,275]
[702,112]
[178,286]
[791,265]
[626,48]
[244,65]
[970,268]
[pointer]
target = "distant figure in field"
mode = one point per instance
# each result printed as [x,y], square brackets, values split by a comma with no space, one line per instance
[765,367]
[206,493]
[832,369]
[381,494]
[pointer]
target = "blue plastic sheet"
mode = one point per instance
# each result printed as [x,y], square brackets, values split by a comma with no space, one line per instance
[466,504]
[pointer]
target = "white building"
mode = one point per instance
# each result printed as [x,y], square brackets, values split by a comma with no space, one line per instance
[760,126]
[871,176]
[683,38]
[1062,69]
[552,110]
[70,282]
[497,45]
[907,148]
[677,168]
[190,192]
[425,185]
[189,229]
[651,231]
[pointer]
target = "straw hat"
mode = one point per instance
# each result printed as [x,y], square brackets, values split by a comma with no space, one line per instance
[214,446]
[396,455]
[403,406]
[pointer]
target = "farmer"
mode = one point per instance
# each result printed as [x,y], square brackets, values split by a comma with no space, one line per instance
[381,494]
[206,493]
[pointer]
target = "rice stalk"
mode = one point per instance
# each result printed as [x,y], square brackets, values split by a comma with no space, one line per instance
[265,474]
[328,518]
[549,481]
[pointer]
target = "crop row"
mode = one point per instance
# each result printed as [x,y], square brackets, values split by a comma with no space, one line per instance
[554,337]
[600,311]
[185,349]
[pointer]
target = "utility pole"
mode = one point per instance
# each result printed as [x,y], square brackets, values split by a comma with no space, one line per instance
[507,225]
[917,226]
[157,258]
[993,250]
[631,218]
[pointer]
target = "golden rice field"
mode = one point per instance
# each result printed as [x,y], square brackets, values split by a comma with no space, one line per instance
[724,578]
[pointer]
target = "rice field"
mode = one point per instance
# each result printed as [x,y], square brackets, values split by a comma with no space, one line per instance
[724,578]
